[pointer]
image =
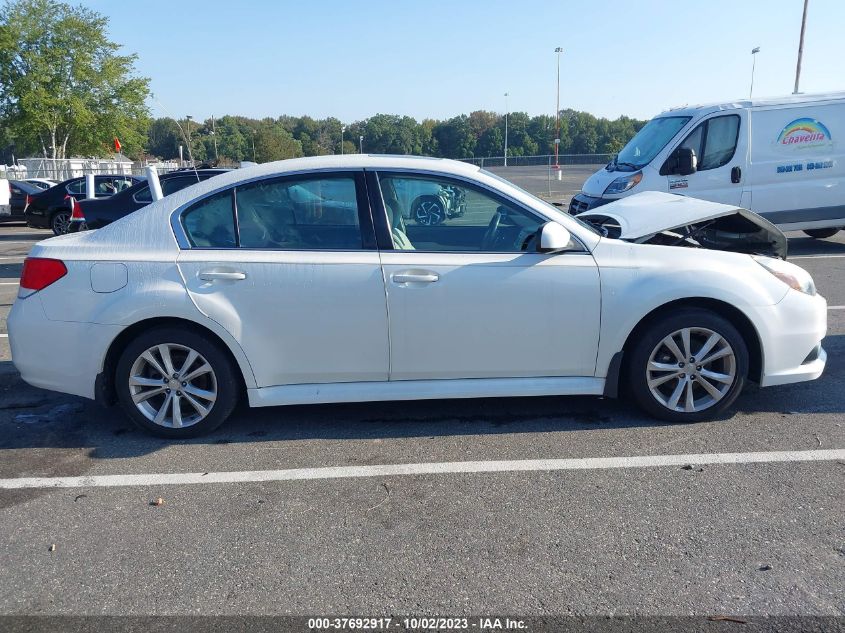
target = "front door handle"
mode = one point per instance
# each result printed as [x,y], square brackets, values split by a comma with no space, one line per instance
[736,175]
[415,278]
[227,275]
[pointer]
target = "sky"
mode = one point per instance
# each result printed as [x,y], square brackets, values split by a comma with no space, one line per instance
[439,58]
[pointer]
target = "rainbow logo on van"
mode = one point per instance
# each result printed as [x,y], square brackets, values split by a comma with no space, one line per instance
[804,133]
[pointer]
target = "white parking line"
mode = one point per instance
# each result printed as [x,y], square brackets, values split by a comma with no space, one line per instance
[9,283]
[4,336]
[816,257]
[437,468]
[836,307]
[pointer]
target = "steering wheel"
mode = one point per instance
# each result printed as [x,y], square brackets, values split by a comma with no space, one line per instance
[489,241]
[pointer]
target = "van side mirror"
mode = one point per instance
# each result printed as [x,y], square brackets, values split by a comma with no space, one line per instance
[686,161]
[681,162]
[552,238]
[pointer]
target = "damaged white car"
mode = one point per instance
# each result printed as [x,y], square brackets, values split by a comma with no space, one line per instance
[240,288]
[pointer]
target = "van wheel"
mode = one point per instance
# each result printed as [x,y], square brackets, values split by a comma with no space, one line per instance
[821,234]
[688,366]
[174,383]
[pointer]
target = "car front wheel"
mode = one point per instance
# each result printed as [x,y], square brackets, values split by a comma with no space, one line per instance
[174,383]
[688,367]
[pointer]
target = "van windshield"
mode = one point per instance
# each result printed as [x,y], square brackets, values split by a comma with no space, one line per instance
[648,142]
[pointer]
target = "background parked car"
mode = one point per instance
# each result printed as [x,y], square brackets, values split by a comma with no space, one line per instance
[41,183]
[98,212]
[51,209]
[19,190]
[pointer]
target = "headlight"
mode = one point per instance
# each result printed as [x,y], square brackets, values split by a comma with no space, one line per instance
[793,276]
[623,184]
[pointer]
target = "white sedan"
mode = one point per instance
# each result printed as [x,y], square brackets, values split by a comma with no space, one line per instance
[300,282]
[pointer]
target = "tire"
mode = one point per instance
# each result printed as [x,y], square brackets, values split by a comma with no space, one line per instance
[428,211]
[655,387]
[60,221]
[821,234]
[222,382]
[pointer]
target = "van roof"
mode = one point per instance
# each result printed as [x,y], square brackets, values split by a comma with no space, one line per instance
[755,103]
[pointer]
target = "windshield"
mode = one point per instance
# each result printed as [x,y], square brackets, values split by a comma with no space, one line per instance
[649,141]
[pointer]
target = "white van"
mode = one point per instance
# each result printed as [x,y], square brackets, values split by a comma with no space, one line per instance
[783,158]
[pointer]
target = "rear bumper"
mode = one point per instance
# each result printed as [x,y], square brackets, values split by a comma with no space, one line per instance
[63,356]
[792,350]
[37,219]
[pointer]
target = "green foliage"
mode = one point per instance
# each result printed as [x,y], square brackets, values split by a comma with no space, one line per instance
[64,90]
[478,134]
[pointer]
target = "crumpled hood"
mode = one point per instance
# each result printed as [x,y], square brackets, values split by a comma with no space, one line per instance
[642,216]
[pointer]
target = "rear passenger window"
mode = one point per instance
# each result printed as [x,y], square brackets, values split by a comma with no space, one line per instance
[305,214]
[211,223]
[172,185]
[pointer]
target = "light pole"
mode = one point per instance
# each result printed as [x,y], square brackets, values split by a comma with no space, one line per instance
[188,118]
[214,138]
[361,144]
[253,147]
[506,129]
[754,52]
[558,50]
[800,48]
[342,130]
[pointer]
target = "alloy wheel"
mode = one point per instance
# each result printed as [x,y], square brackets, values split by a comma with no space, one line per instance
[690,370]
[173,385]
[61,223]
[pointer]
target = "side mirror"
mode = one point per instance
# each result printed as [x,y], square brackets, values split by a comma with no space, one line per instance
[686,161]
[552,238]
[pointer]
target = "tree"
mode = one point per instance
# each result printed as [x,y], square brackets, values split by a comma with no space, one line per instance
[164,138]
[63,87]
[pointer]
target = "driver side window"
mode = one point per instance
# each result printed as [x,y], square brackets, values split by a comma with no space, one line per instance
[430,214]
[714,141]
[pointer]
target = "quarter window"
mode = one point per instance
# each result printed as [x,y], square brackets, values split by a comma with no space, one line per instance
[211,222]
[77,187]
[430,214]
[299,214]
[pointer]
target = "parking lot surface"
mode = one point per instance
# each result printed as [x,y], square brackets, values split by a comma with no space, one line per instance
[691,535]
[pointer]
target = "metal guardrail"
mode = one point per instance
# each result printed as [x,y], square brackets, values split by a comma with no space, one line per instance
[546,160]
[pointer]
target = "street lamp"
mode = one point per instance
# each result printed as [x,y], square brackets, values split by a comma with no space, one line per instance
[800,47]
[361,144]
[506,129]
[558,50]
[342,130]
[754,52]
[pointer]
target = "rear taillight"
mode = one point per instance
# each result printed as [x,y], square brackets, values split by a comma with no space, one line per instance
[40,272]
[76,214]
[28,199]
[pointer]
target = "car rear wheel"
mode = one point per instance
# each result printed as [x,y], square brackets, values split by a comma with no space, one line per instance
[174,383]
[60,222]
[688,366]
[821,234]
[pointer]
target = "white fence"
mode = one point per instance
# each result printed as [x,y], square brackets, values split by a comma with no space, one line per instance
[62,169]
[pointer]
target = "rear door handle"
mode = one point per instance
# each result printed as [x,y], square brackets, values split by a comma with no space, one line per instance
[415,278]
[227,275]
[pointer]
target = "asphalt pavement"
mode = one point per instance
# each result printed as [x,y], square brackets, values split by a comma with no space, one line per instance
[704,539]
